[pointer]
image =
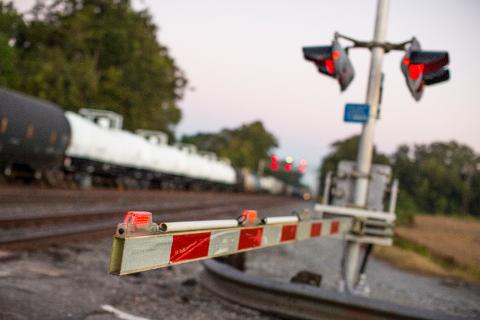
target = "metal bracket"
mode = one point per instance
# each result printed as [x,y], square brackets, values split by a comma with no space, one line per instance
[387,46]
[367,226]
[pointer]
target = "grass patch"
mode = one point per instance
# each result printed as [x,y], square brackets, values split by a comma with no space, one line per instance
[411,256]
[443,261]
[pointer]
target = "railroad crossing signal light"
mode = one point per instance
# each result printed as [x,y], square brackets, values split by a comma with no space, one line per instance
[274,162]
[333,61]
[288,164]
[302,167]
[423,68]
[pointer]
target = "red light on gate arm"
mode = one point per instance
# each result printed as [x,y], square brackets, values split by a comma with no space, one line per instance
[138,217]
[249,215]
[415,70]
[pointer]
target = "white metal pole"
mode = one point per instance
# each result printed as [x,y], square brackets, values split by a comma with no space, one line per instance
[393,196]
[326,188]
[276,220]
[365,149]
[198,225]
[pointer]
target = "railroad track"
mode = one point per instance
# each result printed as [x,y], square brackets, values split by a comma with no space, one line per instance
[292,300]
[32,229]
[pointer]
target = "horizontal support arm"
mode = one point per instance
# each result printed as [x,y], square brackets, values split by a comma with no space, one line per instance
[354,212]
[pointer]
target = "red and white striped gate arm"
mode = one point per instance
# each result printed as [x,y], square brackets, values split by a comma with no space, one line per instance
[141,245]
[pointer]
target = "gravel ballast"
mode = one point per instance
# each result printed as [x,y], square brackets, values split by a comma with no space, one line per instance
[72,282]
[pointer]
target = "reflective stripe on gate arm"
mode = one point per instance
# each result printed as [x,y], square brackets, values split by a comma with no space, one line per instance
[141,253]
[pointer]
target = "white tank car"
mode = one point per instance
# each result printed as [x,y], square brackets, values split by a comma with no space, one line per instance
[97,142]
[215,169]
[94,142]
[221,171]
[205,165]
[271,185]
[163,158]
[250,181]
[189,163]
[225,172]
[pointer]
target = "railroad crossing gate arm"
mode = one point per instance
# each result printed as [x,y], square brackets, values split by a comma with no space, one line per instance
[141,245]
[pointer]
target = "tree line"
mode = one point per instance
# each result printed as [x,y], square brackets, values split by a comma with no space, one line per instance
[103,54]
[440,177]
[247,146]
[92,53]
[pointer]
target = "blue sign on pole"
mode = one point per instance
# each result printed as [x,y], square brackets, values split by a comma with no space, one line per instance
[356,112]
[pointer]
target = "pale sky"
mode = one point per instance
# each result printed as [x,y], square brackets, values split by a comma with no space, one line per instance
[245,62]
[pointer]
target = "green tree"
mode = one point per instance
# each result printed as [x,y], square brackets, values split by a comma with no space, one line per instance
[99,54]
[11,25]
[440,177]
[245,146]
[435,177]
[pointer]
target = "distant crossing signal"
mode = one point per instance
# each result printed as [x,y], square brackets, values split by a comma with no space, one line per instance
[423,68]
[288,164]
[274,162]
[302,167]
[333,61]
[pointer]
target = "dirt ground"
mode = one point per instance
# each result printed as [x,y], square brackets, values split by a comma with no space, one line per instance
[72,282]
[453,239]
[439,246]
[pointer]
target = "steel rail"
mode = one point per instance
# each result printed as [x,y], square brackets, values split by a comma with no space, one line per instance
[70,214]
[300,301]
[54,230]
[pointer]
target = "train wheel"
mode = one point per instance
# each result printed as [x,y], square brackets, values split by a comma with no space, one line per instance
[54,178]
[83,180]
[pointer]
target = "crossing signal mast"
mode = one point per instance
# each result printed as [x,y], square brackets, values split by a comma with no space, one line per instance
[420,68]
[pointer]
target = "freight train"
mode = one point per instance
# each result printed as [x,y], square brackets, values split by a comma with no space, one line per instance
[38,140]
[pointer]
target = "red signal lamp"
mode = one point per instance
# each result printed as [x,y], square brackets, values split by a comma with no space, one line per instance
[302,166]
[138,217]
[330,66]
[274,162]
[423,68]
[288,167]
[249,215]
[415,71]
